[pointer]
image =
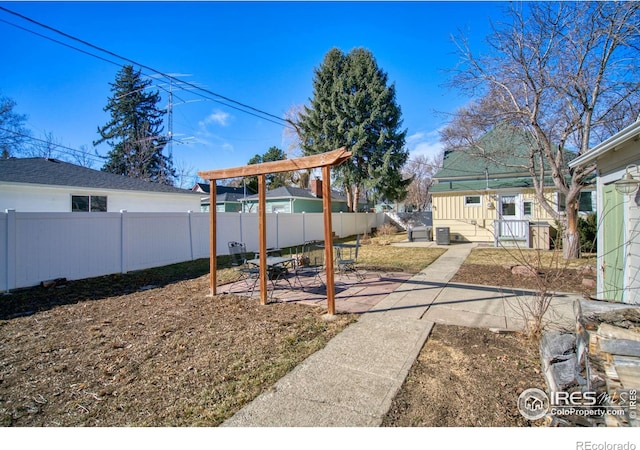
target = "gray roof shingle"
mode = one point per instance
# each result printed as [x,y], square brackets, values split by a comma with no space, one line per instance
[59,173]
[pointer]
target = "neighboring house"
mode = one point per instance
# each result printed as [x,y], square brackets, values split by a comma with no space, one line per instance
[618,266]
[228,199]
[289,199]
[50,185]
[492,198]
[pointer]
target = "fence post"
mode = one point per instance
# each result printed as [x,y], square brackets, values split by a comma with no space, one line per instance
[366,223]
[11,250]
[277,230]
[124,260]
[190,234]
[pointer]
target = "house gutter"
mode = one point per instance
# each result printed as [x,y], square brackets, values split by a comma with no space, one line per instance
[623,136]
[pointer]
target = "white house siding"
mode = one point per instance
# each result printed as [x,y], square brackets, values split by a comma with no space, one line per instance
[45,198]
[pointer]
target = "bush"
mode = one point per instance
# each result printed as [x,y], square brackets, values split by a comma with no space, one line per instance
[588,229]
[385,232]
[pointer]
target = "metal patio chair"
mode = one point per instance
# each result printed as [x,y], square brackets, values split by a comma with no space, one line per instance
[346,260]
[309,263]
[249,274]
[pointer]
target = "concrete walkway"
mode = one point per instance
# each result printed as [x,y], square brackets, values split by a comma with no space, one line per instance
[353,380]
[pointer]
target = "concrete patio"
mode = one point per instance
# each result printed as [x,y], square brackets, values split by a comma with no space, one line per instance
[353,294]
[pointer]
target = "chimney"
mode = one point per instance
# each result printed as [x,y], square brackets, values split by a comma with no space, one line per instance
[316,187]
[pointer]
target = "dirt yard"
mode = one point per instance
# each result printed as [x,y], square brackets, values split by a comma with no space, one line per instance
[153,350]
[158,356]
[467,377]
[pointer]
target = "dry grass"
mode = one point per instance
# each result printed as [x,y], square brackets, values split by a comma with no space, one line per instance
[379,255]
[534,258]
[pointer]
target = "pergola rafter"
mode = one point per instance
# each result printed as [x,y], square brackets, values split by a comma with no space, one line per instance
[322,160]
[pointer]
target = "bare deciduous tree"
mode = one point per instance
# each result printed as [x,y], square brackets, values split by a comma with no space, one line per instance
[186,175]
[421,168]
[566,73]
[13,134]
[47,147]
[83,157]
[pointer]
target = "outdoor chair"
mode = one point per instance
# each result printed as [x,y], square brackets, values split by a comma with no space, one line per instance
[347,258]
[238,254]
[309,263]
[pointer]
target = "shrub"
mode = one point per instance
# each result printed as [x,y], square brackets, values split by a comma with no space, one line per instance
[588,229]
[384,233]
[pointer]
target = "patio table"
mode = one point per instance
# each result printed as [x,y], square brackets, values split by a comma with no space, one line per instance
[277,267]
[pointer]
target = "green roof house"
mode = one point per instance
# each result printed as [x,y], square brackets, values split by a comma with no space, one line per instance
[487,195]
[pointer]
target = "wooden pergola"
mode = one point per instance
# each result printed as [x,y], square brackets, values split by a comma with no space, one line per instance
[323,160]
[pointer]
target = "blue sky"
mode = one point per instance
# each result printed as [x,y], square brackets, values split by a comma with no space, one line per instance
[261,54]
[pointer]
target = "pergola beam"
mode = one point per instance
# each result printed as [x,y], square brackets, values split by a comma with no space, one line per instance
[332,158]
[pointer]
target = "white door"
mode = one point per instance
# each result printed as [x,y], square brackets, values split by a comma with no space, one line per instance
[511,224]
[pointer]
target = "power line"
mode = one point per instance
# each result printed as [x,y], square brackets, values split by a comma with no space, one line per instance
[58,42]
[257,112]
[53,144]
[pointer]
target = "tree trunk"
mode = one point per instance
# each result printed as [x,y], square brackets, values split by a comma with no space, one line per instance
[570,234]
[349,198]
[356,198]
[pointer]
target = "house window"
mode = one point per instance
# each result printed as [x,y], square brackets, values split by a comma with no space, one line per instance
[86,203]
[508,205]
[585,204]
[472,200]
[527,208]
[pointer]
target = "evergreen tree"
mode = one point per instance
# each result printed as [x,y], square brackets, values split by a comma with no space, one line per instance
[272,180]
[135,130]
[354,106]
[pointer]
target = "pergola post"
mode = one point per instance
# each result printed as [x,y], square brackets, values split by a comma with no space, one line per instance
[262,236]
[212,238]
[328,239]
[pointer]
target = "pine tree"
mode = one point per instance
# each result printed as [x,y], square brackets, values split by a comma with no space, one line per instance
[354,106]
[135,130]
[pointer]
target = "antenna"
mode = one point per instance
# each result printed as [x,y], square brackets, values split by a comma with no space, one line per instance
[171,118]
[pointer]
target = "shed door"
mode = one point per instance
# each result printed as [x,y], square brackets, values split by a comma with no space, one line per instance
[613,245]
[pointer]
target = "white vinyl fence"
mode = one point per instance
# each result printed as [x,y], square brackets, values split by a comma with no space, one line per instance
[42,246]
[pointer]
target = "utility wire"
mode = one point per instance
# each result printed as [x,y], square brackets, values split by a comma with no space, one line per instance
[53,144]
[256,113]
[59,42]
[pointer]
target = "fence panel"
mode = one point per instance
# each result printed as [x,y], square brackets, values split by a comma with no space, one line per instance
[152,241]
[40,246]
[57,245]
[5,263]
